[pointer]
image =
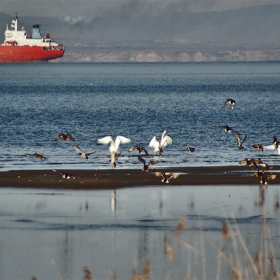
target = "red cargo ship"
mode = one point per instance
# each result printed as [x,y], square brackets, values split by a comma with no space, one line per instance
[20,47]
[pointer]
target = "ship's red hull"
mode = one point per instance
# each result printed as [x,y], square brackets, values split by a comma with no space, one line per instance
[29,53]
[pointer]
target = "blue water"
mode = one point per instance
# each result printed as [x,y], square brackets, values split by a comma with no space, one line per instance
[138,101]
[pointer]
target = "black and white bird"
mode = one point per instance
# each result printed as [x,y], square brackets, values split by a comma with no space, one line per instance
[274,146]
[65,175]
[231,102]
[225,127]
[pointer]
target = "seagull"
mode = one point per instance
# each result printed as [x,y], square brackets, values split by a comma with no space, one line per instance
[81,153]
[36,155]
[64,175]
[189,149]
[64,137]
[146,166]
[230,101]
[239,142]
[225,127]
[258,147]
[114,145]
[139,149]
[167,176]
[158,145]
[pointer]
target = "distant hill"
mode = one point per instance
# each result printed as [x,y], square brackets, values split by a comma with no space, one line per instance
[249,28]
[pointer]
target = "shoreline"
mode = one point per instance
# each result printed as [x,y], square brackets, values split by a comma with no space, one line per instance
[116,178]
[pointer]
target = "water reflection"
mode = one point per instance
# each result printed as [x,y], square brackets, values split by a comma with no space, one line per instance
[79,230]
[113,200]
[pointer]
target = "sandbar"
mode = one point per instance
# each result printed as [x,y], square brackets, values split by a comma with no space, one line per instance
[123,178]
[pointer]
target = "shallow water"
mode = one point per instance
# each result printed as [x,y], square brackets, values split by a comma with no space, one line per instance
[138,101]
[51,235]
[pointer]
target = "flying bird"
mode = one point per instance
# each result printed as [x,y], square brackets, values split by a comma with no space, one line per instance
[114,145]
[239,142]
[258,147]
[264,177]
[246,161]
[146,166]
[231,102]
[190,149]
[37,156]
[225,127]
[64,137]
[165,177]
[158,145]
[65,175]
[81,153]
[139,149]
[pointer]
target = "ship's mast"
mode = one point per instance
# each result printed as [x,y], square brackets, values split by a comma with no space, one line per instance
[14,23]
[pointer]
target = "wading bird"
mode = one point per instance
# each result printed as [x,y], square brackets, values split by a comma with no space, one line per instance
[158,145]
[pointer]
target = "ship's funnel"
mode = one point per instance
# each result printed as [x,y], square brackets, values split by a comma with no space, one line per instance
[36,32]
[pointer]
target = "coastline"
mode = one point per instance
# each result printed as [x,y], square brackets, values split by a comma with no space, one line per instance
[122,178]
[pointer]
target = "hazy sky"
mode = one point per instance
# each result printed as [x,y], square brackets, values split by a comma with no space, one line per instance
[80,8]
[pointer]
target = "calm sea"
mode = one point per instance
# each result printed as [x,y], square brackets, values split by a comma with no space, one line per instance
[49,234]
[138,101]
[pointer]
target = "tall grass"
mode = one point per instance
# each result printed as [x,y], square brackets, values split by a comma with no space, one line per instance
[232,257]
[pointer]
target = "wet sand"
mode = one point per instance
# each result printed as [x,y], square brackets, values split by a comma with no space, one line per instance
[121,178]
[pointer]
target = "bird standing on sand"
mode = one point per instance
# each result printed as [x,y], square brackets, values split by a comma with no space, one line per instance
[81,153]
[146,166]
[167,176]
[231,102]
[65,175]
[158,145]
[64,137]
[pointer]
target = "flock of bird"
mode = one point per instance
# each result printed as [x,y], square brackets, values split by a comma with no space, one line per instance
[158,146]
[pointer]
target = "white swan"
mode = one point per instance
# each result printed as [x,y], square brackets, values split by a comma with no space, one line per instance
[158,145]
[114,145]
